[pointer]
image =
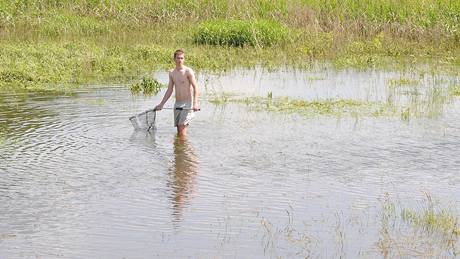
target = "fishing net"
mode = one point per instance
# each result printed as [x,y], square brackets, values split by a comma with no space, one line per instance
[144,120]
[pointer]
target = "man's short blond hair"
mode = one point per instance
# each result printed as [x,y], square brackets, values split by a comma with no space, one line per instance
[178,51]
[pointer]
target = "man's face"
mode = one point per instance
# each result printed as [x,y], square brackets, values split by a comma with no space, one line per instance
[179,59]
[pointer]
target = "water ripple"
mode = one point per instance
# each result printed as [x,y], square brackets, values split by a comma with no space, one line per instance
[77,181]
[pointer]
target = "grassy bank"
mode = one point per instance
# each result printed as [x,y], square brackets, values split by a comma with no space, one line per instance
[53,43]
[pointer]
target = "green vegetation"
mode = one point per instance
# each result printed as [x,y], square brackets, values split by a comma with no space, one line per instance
[430,230]
[239,33]
[47,44]
[406,103]
[148,86]
[405,114]
[402,82]
[432,220]
[53,63]
[337,107]
[454,90]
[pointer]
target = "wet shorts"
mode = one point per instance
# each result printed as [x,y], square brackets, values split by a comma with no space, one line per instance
[183,117]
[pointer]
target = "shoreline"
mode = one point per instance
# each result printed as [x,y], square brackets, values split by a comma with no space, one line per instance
[70,44]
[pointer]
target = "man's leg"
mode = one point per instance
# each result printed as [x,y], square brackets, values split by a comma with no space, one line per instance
[182,130]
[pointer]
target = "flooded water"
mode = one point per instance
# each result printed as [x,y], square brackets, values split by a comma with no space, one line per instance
[76,181]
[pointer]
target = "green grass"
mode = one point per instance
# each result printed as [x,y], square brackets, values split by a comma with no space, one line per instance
[239,33]
[48,64]
[51,44]
[423,13]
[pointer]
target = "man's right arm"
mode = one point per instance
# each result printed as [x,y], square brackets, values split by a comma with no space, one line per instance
[167,94]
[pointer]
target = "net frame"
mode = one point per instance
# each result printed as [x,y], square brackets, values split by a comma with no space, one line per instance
[144,120]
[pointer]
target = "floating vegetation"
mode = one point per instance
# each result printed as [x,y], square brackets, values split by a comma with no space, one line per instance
[426,103]
[147,86]
[221,99]
[316,78]
[240,33]
[402,82]
[335,107]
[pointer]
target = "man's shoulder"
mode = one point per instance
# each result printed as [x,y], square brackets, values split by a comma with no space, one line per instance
[189,70]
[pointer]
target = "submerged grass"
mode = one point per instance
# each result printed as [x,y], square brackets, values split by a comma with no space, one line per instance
[427,231]
[332,107]
[421,103]
[405,102]
[431,220]
[430,230]
[49,43]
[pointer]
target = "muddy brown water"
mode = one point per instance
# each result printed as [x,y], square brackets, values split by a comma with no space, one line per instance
[76,181]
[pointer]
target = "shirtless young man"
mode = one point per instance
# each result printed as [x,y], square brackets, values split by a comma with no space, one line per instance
[182,79]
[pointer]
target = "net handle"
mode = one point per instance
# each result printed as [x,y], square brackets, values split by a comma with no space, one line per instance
[178,108]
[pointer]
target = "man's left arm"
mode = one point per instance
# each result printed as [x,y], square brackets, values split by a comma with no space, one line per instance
[196,91]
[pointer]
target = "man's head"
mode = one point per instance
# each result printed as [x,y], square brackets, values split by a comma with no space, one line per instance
[179,57]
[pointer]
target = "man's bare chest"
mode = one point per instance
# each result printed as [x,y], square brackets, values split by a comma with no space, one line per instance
[180,79]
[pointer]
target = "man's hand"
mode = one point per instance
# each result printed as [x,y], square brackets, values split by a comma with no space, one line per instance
[196,108]
[159,107]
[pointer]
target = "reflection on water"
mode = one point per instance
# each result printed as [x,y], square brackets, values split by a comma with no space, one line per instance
[145,138]
[183,174]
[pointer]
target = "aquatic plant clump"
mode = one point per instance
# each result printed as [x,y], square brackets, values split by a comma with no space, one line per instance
[454,90]
[148,86]
[432,220]
[240,33]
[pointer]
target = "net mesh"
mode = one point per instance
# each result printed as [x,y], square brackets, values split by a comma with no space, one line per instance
[144,120]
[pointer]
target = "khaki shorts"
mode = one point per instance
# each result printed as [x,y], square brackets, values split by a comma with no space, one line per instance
[183,117]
